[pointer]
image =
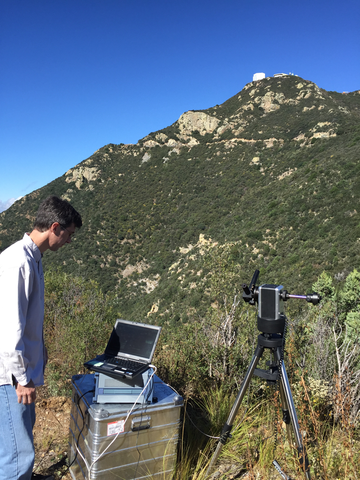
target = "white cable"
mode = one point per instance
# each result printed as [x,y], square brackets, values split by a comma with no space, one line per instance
[81,455]
[126,419]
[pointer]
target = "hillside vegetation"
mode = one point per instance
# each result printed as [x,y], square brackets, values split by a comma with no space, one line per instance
[270,178]
[206,361]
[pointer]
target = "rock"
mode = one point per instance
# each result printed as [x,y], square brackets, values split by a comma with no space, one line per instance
[191,121]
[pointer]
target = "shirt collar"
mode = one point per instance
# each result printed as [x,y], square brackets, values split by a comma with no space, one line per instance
[33,247]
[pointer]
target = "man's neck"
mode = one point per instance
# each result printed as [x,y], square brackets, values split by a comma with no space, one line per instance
[41,239]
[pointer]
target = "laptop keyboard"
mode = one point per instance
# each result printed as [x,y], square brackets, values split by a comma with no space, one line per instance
[126,364]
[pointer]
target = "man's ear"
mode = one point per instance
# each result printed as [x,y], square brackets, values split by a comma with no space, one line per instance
[54,227]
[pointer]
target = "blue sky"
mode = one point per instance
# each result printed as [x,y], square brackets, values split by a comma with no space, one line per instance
[79,74]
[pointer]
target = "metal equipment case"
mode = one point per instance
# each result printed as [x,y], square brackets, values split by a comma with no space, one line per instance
[146,445]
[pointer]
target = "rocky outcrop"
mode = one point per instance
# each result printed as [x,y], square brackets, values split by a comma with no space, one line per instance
[191,121]
[80,174]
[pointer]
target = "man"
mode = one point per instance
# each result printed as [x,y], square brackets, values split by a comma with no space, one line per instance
[22,352]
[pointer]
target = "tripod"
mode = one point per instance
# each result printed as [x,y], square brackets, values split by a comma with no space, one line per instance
[271,322]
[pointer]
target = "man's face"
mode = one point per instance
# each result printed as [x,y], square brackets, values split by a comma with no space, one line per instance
[60,235]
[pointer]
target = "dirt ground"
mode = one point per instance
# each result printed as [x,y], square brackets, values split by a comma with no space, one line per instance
[51,436]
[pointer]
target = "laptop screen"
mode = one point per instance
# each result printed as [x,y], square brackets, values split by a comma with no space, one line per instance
[133,339]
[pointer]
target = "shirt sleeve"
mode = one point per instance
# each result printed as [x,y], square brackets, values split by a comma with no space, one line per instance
[15,290]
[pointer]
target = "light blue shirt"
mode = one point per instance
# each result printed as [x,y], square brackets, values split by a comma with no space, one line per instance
[22,351]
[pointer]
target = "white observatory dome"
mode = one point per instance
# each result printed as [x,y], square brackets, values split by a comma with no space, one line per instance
[258,76]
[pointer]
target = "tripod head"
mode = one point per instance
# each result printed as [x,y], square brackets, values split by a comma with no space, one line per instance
[270,299]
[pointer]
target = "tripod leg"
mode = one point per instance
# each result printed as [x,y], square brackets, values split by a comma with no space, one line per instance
[289,402]
[286,415]
[229,423]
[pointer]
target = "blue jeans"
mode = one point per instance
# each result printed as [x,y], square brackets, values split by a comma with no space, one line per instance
[17,453]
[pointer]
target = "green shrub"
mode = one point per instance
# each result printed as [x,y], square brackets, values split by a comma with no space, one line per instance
[77,326]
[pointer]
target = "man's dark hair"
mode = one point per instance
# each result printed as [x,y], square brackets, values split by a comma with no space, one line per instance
[54,209]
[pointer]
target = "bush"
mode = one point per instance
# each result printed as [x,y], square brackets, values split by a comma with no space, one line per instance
[77,326]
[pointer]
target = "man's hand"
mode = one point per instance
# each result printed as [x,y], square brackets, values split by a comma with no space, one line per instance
[26,394]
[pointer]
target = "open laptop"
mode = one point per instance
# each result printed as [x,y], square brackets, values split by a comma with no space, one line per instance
[129,350]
